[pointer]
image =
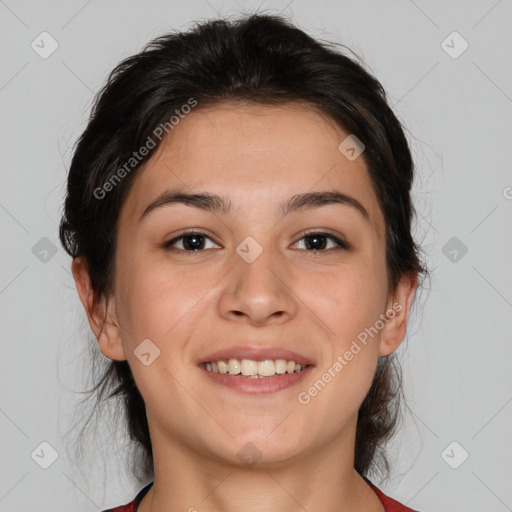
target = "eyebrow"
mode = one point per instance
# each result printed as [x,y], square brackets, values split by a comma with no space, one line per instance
[221,204]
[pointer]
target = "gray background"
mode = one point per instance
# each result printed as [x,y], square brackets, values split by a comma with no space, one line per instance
[457,358]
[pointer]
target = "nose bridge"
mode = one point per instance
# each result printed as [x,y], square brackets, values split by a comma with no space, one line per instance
[254,270]
[257,289]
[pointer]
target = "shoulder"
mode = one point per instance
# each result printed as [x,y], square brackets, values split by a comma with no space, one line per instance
[390,505]
[132,506]
[129,507]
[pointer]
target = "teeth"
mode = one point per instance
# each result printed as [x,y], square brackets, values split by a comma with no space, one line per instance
[233,367]
[280,365]
[248,367]
[223,366]
[267,368]
[254,369]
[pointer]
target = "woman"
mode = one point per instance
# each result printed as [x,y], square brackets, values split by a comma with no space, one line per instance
[239,218]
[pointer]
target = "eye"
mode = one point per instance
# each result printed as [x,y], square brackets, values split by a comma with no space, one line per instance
[195,241]
[191,241]
[320,241]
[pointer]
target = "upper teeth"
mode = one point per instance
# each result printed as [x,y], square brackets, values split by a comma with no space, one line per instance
[265,368]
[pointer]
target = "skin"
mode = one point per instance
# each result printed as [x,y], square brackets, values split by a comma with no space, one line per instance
[189,304]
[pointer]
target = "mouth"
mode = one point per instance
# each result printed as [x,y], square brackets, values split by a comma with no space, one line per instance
[255,369]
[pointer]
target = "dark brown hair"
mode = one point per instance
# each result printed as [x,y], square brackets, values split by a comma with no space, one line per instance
[260,59]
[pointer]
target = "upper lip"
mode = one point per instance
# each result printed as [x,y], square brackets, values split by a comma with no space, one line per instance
[258,353]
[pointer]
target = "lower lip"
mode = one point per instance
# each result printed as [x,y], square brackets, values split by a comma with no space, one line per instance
[257,386]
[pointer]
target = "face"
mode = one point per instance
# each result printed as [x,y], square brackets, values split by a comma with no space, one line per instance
[287,261]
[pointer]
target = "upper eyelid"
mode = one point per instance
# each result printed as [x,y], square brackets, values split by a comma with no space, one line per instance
[312,231]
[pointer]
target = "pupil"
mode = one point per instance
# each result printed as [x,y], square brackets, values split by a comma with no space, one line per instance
[315,242]
[193,242]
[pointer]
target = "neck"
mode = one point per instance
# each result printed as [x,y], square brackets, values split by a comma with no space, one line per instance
[324,479]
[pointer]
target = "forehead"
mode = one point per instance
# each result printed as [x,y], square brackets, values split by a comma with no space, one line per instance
[256,155]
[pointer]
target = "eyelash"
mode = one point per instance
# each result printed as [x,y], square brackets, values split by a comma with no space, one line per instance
[340,243]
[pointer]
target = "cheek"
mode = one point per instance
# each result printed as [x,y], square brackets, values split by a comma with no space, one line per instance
[163,306]
[348,300]
[156,299]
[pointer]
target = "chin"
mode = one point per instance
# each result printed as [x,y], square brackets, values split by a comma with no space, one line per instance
[257,449]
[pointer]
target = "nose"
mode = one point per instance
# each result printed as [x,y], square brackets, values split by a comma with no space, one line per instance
[258,293]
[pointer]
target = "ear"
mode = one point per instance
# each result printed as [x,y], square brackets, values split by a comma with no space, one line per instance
[397,312]
[100,313]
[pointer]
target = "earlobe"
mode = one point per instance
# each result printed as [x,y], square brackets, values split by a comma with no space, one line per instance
[100,313]
[399,306]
